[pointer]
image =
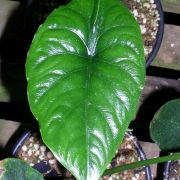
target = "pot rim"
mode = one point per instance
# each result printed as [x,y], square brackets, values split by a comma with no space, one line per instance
[159,35]
[138,147]
[158,39]
[20,141]
[166,170]
[142,156]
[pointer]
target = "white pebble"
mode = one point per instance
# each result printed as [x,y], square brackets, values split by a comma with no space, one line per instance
[142,15]
[135,12]
[138,1]
[41,157]
[144,21]
[150,48]
[143,29]
[154,6]
[43,148]
[37,153]
[30,145]
[29,152]
[49,155]
[36,146]
[129,146]
[31,139]
[121,158]
[137,176]
[52,161]
[147,5]
[31,164]
[145,51]
[24,148]
[134,178]
[152,1]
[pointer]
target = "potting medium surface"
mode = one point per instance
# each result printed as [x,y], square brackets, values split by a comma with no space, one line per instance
[34,152]
[148,17]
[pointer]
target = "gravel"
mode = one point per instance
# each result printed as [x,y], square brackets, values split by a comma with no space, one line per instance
[147,15]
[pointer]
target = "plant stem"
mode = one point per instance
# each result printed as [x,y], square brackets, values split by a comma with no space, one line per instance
[137,164]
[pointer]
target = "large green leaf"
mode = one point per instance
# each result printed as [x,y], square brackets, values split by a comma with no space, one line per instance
[15,169]
[165,126]
[85,72]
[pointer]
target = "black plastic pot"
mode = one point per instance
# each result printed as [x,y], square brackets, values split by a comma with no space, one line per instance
[166,170]
[43,166]
[168,167]
[159,35]
[34,6]
[142,157]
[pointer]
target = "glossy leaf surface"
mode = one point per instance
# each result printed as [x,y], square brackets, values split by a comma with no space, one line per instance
[85,71]
[165,126]
[15,169]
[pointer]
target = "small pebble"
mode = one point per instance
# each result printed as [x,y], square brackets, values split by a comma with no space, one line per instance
[49,155]
[147,5]
[137,176]
[144,21]
[52,161]
[43,148]
[154,6]
[143,30]
[31,164]
[24,148]
[31,139]
[36,146]
[135,12]
[24,153]
[142,15]
[129,146]
[41,157]
[37,153]
[134,178]
[29,152]
[121,158]
[30,145]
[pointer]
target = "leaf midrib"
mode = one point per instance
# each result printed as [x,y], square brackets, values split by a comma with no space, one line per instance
[91,46]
